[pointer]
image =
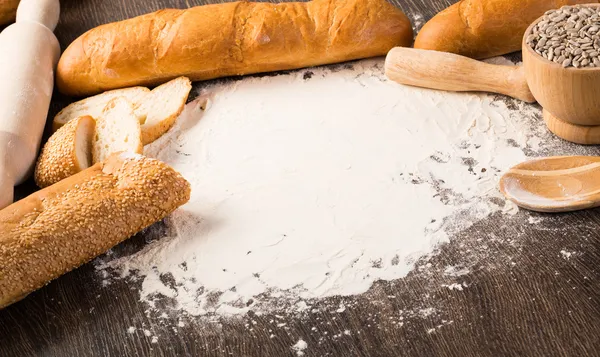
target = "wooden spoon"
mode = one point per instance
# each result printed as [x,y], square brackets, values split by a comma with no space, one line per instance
[554,184]
[451,72]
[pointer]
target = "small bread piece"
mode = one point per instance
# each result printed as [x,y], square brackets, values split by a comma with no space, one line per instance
[117,129]
[484,28]
[8,11]
[156,110]
[66,153]
[162,106]
[93,106]
[63,226]
[229,39]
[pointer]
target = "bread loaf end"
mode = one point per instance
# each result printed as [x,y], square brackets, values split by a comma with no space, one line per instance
[484,28]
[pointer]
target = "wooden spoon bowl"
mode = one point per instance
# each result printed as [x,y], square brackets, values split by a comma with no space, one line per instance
[570,94]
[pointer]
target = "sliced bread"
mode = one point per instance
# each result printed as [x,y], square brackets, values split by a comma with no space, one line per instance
[117,129]
[93,106]
[66,153]
[162,106]
[156,110]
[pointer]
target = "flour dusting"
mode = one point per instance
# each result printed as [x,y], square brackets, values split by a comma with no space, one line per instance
[299,347]
[319,183]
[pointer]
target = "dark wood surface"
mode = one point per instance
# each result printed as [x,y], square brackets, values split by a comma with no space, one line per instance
[523,296]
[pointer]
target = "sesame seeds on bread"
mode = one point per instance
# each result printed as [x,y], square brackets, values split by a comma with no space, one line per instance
[63,226]
[66,153]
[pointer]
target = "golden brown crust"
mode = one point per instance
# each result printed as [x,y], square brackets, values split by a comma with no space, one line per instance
[237,38]
[484,28]
[65,225]
[8,11]
[58,159]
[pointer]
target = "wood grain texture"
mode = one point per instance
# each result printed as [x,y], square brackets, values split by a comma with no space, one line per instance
[523,297]
[579,134]
[554,184]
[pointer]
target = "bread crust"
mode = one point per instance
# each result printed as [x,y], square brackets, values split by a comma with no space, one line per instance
[65,225]
[236,38]
[58,159]
[8,11]
[484,28]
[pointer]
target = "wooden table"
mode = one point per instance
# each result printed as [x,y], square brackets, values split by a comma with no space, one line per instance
[526,295]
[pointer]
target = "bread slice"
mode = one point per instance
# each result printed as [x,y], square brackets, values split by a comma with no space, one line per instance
[117,130]
[162,106]
[93,106]
[156,110]
[66,153]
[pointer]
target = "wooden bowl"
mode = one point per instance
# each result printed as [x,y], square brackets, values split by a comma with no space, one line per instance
[570,94]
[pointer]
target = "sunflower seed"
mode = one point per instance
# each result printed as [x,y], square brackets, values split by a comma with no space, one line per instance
[569,36]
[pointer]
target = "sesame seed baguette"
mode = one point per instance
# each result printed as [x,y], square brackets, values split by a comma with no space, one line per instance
[66,225]
[66,153]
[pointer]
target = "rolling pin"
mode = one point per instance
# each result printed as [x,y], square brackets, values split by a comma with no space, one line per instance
[30,53]
[451,72]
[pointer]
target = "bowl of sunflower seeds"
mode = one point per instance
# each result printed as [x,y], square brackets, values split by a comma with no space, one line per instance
[561,56]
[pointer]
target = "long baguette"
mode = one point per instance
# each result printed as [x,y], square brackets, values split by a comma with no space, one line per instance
[484,28]
[65,225]
[8,11]
[237,38]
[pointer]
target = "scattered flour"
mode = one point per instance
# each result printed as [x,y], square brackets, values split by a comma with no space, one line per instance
[318,183]
[566,254]
[455,286]
[299,347]
[131,329]
[455,271]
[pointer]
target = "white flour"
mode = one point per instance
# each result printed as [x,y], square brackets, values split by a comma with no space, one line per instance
[307,188]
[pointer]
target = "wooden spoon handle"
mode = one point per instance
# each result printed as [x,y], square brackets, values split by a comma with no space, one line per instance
[450,72]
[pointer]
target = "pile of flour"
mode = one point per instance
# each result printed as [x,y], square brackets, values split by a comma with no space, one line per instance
[320,182]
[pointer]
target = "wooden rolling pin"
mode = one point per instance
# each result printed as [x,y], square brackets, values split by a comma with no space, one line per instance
[26,85]
[450,72]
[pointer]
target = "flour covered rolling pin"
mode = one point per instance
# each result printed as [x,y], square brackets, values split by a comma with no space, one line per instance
[26,84]
[236,38]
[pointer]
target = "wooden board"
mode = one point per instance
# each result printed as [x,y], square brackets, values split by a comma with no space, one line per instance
[532,288]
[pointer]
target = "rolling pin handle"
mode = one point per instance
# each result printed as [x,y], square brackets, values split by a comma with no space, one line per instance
[44,12]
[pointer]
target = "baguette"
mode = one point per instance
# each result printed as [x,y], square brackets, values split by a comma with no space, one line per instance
[482,29]
[220,40]
[8,11]
[66,225]
[66,153]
